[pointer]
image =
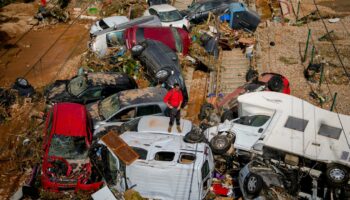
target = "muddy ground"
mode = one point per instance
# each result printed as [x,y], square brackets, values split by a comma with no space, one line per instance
[283,46]
[35,57]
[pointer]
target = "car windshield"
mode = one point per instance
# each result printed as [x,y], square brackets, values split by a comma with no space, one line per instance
[68,147]
[77,85]
[103,24]
[170,16]
[109,106]
[194,7]
[178,40]
[256,120]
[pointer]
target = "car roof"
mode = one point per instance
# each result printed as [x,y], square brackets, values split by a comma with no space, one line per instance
[160,124]
[115,20]
[140,96]
[70,119]
[103,78]
[163,7]
[161,142]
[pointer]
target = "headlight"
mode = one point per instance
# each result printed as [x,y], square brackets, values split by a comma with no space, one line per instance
[162,74]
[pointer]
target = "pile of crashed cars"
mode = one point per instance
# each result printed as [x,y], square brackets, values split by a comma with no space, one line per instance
[106,135]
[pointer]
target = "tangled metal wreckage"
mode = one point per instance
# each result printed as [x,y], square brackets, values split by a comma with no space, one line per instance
[105,130]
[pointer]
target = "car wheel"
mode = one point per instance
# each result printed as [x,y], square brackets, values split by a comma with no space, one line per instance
[220,144]
[194,137]
[337,175]
[251,75]
[275,83]
[253,184]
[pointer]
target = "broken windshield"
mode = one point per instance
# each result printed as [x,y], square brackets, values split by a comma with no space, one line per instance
[170,16]
[77,85]
[68,147]
[109,106]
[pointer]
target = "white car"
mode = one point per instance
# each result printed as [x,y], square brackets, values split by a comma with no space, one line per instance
[166,167]
[168,15]
[282,127]
[107,23]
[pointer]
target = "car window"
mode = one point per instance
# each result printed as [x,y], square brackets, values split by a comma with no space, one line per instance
[141,152]
[330,131]
[170,16]
[255,120]
[205,170]
[148,110]
[164,156]
[92,93]
[77,85]
[68,147]
[152,11]
[115,38]
[103,24]
[109,106]
[186,158]
[124,115]
[178,40]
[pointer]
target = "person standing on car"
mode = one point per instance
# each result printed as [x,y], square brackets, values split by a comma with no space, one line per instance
[173,99]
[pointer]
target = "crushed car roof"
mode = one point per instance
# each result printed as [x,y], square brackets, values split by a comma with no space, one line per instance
[69,119]
[138,96]
[103,78]
[160,124]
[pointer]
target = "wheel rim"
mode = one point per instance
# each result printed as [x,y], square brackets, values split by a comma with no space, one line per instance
[337,174]
[220,143]
[251,186]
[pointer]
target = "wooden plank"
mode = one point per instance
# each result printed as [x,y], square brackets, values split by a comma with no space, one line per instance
[117,145]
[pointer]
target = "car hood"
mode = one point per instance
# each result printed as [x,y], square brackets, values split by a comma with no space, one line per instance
[93,110]
[58,91]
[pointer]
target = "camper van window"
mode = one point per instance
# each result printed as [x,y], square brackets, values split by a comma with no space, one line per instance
[296,123]
[142,152]
[205,170]
[256,120]
[187,158]
[329,131]
[164,156]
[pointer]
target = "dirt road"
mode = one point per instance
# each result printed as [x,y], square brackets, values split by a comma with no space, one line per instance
[40,54]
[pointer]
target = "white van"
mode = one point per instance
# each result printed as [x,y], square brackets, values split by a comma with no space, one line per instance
[285,128]
[167,167]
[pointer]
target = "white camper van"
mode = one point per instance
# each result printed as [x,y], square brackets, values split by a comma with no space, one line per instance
[167,167]
[285,128]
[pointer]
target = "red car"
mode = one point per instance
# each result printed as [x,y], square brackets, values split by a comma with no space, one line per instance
[68,136]
[176,39]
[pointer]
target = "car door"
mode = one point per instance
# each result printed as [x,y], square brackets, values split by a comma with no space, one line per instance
[249,129]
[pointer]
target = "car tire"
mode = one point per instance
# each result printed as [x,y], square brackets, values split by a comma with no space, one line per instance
[251,75]
[275,83]
[23,87]
[253,184]
[194,137]
[220,144]
[337,175]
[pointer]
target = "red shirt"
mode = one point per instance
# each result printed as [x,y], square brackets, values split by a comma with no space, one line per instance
[173,97]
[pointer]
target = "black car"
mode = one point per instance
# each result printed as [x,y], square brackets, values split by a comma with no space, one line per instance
[89,87]
[162,65]
[199,11]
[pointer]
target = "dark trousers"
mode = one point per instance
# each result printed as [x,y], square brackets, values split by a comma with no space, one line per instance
[174,114]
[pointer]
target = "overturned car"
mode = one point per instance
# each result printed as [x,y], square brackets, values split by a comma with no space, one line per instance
[89,87]
[162,65]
